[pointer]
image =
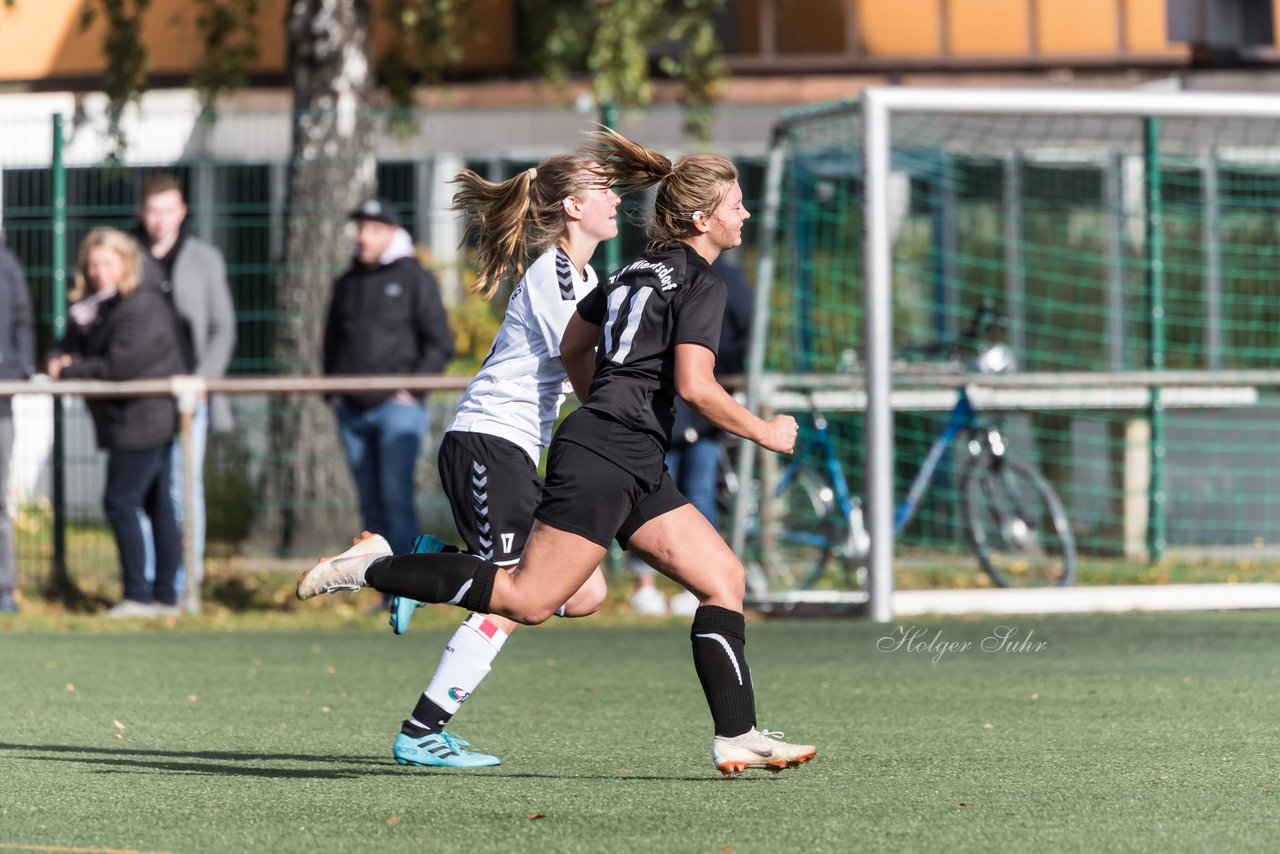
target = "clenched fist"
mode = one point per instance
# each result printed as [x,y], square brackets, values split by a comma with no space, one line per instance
[780,434]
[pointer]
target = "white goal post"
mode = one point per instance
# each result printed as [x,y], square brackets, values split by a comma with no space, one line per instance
[879,107]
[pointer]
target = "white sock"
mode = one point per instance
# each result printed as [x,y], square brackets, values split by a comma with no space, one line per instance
[466,661]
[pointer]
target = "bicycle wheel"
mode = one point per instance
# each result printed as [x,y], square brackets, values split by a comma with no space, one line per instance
[1017,525]
[810,535]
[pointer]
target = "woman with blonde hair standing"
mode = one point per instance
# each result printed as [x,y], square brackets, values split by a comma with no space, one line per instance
[122,328]
[646,335]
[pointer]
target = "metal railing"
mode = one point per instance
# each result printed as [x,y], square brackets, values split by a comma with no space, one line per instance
[913,390]
[188,391]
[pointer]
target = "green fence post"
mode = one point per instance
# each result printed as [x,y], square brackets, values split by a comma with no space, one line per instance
[612,248]
[61,580]
[1156,520]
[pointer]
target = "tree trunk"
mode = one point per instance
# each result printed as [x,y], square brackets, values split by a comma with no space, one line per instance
[308,497]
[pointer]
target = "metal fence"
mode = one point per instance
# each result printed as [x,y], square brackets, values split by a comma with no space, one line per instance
[57,181]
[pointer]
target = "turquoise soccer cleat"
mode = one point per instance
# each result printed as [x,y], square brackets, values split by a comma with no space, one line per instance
[439,750]
[402,607]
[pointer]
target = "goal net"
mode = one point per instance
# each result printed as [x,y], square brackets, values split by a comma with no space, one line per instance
[1122,246]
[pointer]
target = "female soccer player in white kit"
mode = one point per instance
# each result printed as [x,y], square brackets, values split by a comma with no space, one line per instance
[538,229]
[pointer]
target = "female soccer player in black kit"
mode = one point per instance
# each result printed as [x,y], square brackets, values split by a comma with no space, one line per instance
[644,336]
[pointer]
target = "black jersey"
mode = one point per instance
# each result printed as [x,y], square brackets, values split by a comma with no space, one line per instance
[659,300]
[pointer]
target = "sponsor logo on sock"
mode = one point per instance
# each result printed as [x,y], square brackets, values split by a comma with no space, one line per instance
[458,695]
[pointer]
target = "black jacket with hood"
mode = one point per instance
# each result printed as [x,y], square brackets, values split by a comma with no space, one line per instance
[386,319]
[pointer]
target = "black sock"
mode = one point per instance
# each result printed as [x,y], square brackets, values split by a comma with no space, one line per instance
[427,717]
[719,643]
[453,579]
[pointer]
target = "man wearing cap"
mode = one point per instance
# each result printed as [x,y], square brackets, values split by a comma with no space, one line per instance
[385,317]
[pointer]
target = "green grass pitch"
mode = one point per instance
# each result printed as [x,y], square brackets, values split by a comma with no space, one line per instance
[1117,733]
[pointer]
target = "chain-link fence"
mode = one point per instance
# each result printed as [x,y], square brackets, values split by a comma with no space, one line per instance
[57,181]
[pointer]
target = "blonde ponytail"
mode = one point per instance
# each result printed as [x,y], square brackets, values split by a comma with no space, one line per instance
[517,220]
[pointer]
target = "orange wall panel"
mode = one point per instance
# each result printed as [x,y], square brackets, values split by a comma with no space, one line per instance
[1076,26]
[899,27]
[42,38]
[988,27]
[32,36]
[491,38]
[1145,25]
[173,44]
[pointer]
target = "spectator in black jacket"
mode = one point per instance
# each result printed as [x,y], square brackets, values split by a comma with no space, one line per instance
[17,355]
[122,328]
[385,317]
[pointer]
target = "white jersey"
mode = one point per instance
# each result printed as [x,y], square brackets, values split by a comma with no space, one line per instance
[518,391]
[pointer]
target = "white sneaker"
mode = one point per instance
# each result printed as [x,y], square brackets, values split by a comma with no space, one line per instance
[683,604]
[344,572]
[757,749]
[126,608]
[648,601]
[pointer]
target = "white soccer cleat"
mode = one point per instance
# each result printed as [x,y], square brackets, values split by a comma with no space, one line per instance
[648,601]
[757,749]
[683,604]
[344,572]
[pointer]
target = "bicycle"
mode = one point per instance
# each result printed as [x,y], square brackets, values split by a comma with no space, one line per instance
[1015,521]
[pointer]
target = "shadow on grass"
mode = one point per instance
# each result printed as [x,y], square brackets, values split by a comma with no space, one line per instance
[216,763]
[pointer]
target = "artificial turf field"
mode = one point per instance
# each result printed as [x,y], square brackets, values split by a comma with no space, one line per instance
[1121,733]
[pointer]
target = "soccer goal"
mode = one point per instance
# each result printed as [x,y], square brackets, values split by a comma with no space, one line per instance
[1111,256]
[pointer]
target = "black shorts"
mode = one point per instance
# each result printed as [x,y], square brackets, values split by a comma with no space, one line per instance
[594,496]
[493,488]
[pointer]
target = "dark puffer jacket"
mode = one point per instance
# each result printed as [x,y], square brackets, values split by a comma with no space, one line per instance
[131,338]
[386,319]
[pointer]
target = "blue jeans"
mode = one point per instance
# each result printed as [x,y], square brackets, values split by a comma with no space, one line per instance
[382,445]
[138,488]
[695,468]
[199,441]
[8,569]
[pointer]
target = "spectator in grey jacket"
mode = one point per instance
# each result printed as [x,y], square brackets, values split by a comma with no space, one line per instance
[17,355]
[191,271]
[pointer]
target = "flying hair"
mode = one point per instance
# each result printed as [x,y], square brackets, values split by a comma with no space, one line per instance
[514,221]
[688,190]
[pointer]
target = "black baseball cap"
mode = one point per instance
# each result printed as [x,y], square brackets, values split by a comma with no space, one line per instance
[378,209]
